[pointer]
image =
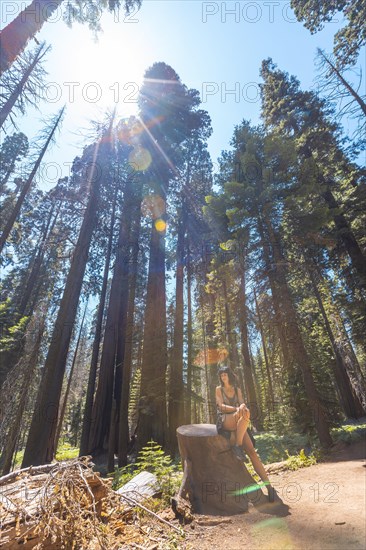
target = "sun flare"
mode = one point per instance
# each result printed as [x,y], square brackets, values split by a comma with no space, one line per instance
[103,78]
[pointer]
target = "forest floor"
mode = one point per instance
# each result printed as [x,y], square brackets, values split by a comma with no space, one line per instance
[321,507]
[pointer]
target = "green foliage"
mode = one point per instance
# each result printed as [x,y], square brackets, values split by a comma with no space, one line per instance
[66,452]
[349,433]
[14,329]
[349,39]
[273,447]
[301,460]
[152,459]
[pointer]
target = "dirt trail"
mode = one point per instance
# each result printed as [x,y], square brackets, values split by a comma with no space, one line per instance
[319,508]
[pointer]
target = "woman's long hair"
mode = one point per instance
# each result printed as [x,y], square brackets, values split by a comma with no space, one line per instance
[233,381]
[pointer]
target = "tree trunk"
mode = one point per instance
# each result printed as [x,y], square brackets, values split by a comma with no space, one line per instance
[253,402]
[233,349]
[152,406]
[296,344]
[9,358]
[68,387]
[188,401]
[15,36]
[214,480]
[279,316]
[40,445]
[176,386]
[110,377]
[124,432]
[34,270]
[13,216]
[261,330]
[344,82]
[350,404]
[358,260]
[9,104]
[15,428]
[88,409]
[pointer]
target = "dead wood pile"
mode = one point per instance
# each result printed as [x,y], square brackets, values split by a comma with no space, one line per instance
[67,505]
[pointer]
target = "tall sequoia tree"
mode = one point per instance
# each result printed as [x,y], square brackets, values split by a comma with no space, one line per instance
[108,395]
[40,447]
[193,189]
[168,111]
[261,185]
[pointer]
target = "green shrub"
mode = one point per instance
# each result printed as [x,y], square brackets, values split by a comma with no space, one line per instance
[349,433]
[152,459]
[294,462]
[66,452]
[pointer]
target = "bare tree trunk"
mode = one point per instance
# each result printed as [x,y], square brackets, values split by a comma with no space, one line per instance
[176,386]
[295,342]
[152,408]
[188,402]
[124,432]
[68,387]
[350,404]
[13,216]
[15,36]
[40,445]
[34,270]
[110,375]
[9,104]
[88,409]
[279,316]
[343,81]
[253,403]
[261,330]
[233,350]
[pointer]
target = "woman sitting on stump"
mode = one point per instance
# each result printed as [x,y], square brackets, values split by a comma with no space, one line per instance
[235,419]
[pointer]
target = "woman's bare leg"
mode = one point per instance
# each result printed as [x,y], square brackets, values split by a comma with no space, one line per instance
[241,429]
[254,458]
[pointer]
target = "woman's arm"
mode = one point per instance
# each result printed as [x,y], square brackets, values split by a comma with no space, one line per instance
[240,397]
[220,403]
[243,409]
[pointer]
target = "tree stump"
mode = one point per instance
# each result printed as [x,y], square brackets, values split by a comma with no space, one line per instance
[215,481]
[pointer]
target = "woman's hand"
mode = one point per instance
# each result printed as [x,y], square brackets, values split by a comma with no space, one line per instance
[243,411]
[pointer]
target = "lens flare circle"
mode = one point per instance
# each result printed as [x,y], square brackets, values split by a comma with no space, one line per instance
[139,159]
[153,206]
[160,225]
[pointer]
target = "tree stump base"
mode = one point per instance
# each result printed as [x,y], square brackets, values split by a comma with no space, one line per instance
[215,481]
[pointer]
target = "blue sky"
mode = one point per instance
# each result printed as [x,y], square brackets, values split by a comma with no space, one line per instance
[215,47]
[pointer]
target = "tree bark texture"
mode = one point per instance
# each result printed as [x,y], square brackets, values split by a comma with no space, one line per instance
[215,481]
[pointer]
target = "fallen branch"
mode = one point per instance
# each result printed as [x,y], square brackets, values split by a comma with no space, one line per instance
[43,468]
[134,502]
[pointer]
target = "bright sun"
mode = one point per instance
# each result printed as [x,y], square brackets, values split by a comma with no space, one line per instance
[105,75]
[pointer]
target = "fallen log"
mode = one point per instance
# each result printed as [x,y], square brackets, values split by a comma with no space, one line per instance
[215,481]
[144,485]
